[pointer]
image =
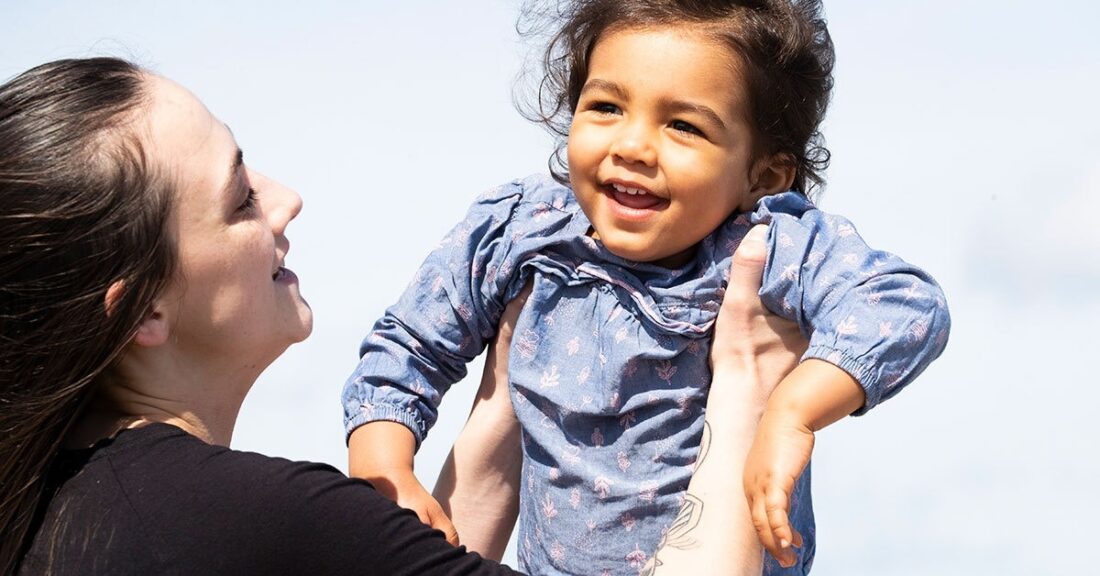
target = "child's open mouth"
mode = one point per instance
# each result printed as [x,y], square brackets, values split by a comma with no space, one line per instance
[634,199]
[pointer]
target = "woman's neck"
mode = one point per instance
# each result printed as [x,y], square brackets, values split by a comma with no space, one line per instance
[136,394]
[99,422]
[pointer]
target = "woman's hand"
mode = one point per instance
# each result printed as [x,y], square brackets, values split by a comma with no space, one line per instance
[752,351]
[750,341]
[757,353]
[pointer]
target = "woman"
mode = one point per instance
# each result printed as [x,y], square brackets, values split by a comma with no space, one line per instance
[144,289]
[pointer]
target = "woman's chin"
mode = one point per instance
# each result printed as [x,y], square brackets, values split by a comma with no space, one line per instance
[305,322]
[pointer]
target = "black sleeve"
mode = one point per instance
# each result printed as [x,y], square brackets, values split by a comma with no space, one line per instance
[246,513]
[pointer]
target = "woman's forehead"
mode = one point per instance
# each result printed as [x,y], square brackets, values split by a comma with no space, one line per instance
[185,138]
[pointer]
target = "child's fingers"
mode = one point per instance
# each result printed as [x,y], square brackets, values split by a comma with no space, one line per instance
[440,521]
[445,525]
[761,525]
[786,557]
[775,506]
[770,537]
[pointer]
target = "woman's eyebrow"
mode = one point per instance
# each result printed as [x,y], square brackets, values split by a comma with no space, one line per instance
[235,166]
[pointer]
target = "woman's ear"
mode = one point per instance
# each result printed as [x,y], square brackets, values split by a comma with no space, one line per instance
[770,175]
[154,328]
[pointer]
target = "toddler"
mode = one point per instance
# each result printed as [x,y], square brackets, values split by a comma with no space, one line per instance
[686,122]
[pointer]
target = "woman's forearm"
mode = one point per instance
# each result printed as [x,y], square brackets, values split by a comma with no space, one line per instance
[752,351]
[479,484]
[713,533]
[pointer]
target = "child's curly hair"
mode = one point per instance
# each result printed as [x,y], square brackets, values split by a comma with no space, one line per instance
[784,44]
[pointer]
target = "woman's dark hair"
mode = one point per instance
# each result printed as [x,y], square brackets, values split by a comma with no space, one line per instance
[784,44]
[82,208]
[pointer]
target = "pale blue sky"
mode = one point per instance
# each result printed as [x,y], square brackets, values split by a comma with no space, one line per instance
[964,137]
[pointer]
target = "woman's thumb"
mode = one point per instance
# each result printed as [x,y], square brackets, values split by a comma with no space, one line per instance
[747,270]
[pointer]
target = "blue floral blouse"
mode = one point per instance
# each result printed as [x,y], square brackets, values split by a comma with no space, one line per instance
[608,369]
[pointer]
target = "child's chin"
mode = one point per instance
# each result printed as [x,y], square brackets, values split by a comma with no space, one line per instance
[673,260]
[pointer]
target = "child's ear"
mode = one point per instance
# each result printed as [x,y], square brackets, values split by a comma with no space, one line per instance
[154,328]
[770,175]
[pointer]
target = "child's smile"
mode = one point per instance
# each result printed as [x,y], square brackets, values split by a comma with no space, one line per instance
[633,201]
[661,147]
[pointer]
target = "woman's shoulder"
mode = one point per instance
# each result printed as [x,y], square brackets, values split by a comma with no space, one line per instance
[171,500]
[159,460]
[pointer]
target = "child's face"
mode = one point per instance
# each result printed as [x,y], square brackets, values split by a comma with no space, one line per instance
[660,149]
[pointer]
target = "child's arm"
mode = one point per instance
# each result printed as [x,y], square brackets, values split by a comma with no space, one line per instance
[813,396]
[381,453]
[866,311]
[479,484]
[874,321]
[421,346]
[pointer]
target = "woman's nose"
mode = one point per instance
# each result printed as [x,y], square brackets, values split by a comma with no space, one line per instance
[280,204]
[634,144]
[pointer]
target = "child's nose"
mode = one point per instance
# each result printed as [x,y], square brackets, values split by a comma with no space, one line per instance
[634,145]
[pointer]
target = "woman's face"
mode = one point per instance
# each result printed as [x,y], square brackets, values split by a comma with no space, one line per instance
[234,299]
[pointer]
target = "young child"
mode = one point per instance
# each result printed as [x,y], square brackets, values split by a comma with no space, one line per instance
[686,123]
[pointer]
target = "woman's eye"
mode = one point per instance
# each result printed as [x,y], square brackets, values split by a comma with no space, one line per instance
[685,127]
[249,202]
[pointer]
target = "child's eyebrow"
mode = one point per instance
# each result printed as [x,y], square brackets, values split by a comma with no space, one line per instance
[605,86]
[681,106]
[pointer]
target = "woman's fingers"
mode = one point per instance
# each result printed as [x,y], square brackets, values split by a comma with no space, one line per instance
[747,270]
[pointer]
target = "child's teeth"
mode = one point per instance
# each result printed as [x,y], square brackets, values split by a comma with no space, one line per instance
[625,190]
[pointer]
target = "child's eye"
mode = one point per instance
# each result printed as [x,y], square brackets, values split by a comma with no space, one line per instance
[685,127]
[604,108]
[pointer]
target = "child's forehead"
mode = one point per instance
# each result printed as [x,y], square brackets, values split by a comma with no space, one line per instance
[705,40]
[663,55]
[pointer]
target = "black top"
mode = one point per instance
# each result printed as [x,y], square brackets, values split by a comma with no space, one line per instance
[156,500]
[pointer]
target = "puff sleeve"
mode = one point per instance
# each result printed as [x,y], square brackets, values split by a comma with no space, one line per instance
[443,320]
[866,311]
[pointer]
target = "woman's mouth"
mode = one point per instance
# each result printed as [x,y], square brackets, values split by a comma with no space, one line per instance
[284,274]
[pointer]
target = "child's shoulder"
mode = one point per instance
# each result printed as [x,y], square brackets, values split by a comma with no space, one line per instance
[533,196]
[795,209]
[540,188]
[788,203]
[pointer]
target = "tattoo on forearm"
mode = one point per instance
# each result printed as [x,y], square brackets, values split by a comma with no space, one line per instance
[679,535]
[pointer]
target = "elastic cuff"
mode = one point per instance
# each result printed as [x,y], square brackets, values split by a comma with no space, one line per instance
[861,372]
[406,416]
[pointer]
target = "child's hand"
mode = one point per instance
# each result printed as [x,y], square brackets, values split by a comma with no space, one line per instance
[812,396]
[779,453]
[404,489]
[381,453]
